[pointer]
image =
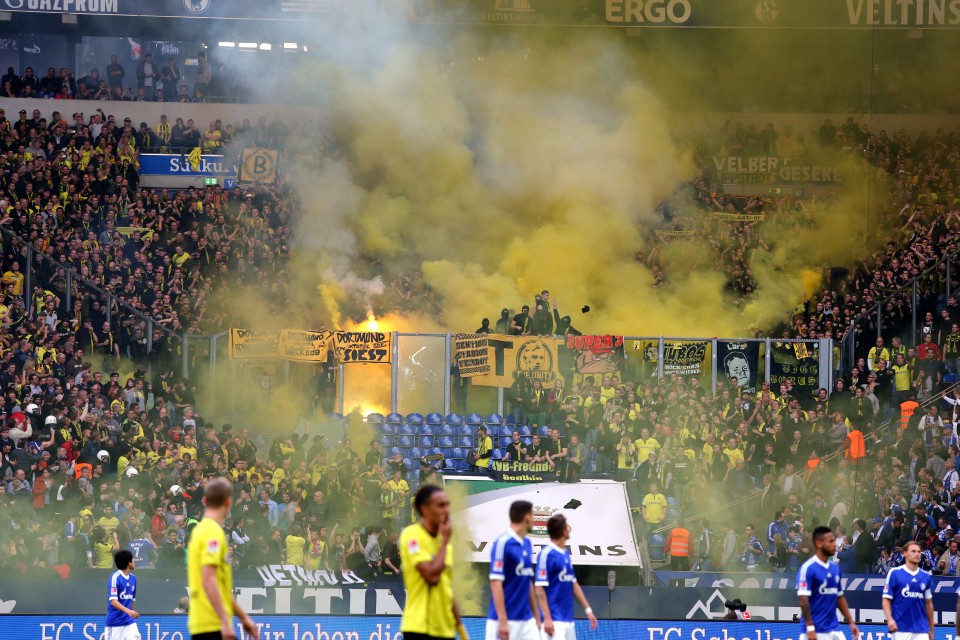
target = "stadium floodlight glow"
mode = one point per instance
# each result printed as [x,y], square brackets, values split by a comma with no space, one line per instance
[227,45]
[289,45]
[265,46]
[248,45]
[305,48]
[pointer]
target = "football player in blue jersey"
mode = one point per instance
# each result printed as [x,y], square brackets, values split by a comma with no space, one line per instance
[908,599]
[122,593]
[820,593]
[513,611]
[556,584]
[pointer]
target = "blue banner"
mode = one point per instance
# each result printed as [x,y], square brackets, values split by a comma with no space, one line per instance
[787,581]
[174,627]
[159,8]
[175,164]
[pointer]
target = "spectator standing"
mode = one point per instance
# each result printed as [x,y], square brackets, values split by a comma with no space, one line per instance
[677,547]
[115,74]
[147,76]
[204,74]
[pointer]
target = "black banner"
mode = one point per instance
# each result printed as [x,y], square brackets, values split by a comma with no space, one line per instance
[740,360]
[516,471]
[796,361]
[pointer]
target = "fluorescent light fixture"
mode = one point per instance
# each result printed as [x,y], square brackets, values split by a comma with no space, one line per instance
[227,45]
[265,46]
[289,45]
[248,45]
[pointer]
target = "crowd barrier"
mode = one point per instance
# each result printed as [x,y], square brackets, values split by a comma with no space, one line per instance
[174,627]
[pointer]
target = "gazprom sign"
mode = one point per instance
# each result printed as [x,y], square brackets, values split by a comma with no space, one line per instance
[174,165]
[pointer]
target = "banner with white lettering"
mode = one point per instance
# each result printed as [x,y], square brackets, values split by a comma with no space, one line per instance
[740,361]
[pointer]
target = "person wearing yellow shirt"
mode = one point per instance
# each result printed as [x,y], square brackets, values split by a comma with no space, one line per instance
[876,354]
[480,457]
[645,444]
[164,130]
[108,522]
[654,505]
[733,452]
[211,138]
[209,575]
[14,279]
[426,558]
[103,549]
[295,544]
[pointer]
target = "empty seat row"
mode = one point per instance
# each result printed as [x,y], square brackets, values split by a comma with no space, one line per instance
[435,419]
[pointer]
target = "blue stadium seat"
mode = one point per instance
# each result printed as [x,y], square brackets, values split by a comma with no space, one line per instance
[458,453]
[445,441]
[375,418]
[393,451]
[950,378]
[544,431]
[494,419]
[527,440]
[497,454]
[416,454]
[448,430]
[390,429]
[672,503]
[655,547]
[426,442]
[436,451]
[413,475]
[505,442]
[426,429]
[394,418]
[449,464]
[468,430]
[434,419]
[405,441]
[414,419]
[447,452]
[454,420]
[408,462]
[406,429]
[591,466]
[525,430]
[673,515]
[510,419]
[507,431]
[387,440]
[475,419]
[466,442]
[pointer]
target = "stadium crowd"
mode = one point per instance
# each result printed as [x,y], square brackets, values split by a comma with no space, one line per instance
[91,462]
[154,81]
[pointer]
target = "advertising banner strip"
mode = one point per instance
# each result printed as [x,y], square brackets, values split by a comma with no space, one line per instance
[175,164]
[174,627]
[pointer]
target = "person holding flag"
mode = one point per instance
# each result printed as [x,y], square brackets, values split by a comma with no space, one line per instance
[908,599]
[820,593]
[426,557]
[556,584]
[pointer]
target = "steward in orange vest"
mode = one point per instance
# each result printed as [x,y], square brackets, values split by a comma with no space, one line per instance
[855,446]
[677,547]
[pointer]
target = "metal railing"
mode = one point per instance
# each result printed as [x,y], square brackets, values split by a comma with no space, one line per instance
[71,279]
[911,288]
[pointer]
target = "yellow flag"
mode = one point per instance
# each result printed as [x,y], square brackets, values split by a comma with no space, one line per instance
[194,159]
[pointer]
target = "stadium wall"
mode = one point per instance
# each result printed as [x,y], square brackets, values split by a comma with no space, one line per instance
[174,627]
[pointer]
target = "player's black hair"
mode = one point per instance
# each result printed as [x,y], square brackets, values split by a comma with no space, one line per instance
[519,511]
[122,559]
[556,526]
[819,532]
[423,495]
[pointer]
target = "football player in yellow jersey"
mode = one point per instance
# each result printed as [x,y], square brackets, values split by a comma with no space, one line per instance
[426,559]
[209,576]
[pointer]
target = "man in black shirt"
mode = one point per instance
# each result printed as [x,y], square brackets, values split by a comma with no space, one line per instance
[516,450]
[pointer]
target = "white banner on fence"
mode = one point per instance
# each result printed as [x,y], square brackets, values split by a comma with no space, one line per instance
[597,510]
